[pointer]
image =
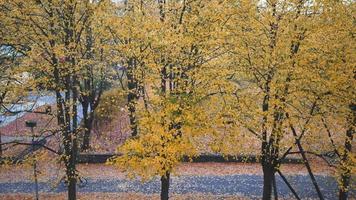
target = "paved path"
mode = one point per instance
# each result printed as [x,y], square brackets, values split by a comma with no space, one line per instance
[239,185]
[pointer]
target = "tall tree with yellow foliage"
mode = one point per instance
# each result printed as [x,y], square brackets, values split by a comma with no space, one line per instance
[55,34]
[332,58]
[177,62]
[12,76]
[274,83]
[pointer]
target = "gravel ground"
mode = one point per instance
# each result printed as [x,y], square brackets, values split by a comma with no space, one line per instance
[230,185]
[126,196]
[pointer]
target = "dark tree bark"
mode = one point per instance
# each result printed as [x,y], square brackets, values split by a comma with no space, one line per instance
[87,126]
[64,121]
[70,105]
[88,119]
[69,140]
[165,186]
[346,172]
[268,176]
[74,146]
[306,163]
[289,185]
[275,191]
[91,91]
[0,143]
[267,167]
[346,175]
[133,95]
[89,105]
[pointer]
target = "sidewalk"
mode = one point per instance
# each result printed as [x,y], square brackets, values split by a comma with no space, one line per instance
[230,185]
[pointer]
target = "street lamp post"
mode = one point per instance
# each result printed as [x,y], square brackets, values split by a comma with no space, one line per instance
[32,125]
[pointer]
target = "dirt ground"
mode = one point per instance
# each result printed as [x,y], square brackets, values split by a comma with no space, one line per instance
[50,170]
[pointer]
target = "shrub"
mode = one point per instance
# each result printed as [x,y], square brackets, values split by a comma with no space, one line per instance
[112,101]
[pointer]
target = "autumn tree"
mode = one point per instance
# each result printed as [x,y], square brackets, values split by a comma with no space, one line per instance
[9,78]
[332,57]
[132,50]
[272,99]
[98,69]
[55,34]
[12,77]
[177,63]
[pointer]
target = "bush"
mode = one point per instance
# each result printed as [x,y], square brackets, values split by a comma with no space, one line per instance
[112,101]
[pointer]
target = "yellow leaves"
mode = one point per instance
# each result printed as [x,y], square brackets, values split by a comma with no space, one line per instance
[162,142]
[111,103]
[228,69]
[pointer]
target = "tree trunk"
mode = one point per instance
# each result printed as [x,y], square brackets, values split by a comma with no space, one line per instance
[275,191]
[72,183]
[132,114]
[72,179]
[85,144]
[346,172]
[310,172]
[307,165]
[87,132]
[132,95]
[88,123]
[165,186]
[342,192]
[288,184]
[70,161]
[268,176]
[0,145]
[71,173]
[86,139]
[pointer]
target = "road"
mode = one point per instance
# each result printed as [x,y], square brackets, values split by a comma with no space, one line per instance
[239,185]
